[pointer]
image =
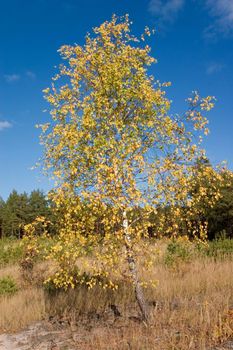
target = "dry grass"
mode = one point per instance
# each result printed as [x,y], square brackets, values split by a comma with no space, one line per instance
[195,305]
[191,308]
[191,311]
[21,309]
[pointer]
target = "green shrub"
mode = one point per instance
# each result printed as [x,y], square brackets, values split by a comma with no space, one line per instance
[177,252]
[220,248]
[11,251]
[7,286]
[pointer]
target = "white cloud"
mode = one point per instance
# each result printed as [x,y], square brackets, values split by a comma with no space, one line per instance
[31,74]
[10,78]
[214,67]
[222,12]
[5,125]
[165,10]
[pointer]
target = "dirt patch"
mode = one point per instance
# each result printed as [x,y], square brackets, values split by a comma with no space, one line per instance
[65,334]
[40,336]
[226,346]
[62,334]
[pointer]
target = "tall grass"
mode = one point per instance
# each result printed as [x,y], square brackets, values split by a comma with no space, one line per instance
[191,308]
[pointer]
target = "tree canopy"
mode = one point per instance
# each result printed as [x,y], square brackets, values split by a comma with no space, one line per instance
[113,142]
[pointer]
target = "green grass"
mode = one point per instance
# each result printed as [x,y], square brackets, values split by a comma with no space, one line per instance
[10,251]
[221,248]
[7,286]
[181,251]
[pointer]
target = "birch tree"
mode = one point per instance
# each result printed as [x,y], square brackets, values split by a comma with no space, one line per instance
[113,146]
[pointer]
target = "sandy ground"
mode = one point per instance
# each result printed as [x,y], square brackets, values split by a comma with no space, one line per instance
[227,346]
[40,336]
[53,335]
[37,337]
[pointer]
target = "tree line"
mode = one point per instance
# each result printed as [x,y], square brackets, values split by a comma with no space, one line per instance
[20,209]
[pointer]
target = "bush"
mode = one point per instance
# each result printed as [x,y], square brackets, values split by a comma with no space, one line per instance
[220,248]
[177,252]
[7,286]
[10,251]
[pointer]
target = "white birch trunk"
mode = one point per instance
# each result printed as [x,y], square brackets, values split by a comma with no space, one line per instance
[133,270]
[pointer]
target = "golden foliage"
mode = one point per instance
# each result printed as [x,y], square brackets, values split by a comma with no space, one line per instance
[113,145]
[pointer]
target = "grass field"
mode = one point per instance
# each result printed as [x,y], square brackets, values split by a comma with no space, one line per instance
[191,307]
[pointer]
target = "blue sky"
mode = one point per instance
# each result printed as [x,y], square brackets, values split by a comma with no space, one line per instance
[193,45]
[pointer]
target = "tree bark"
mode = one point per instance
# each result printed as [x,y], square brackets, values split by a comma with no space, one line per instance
[139,295]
